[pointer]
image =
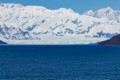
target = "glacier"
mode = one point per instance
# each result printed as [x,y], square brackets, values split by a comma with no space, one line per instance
[21,24]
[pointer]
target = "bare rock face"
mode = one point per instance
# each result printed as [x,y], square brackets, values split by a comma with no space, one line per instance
[113,41]
[1,42]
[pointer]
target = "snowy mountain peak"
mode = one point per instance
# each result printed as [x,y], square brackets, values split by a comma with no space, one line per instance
[108,13]
[100,13]
[107,9]
[65,10]
[90,13]
[105,13]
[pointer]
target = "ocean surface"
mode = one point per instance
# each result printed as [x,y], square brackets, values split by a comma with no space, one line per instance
[63,62]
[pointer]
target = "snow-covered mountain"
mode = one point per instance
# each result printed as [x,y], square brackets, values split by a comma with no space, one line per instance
[18,22]
[108,13]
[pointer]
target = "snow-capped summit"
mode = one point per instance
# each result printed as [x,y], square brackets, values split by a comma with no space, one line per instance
[108,13]
[90,13]
[100,13]
[105,13]
[32,22]
[65,10]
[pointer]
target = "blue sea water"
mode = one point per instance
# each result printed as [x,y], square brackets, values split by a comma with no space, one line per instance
[64,62]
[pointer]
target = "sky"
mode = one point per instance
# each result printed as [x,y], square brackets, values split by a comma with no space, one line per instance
[79,6]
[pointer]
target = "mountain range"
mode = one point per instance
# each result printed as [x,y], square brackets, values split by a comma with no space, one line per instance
[18,22]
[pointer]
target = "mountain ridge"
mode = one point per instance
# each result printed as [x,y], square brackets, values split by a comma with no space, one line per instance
[111,42]
[18,22]
[1,42]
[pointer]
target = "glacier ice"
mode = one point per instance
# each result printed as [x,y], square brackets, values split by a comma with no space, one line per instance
[18,22]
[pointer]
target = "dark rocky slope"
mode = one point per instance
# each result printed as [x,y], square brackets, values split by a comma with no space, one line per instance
[113,41]
[1,42]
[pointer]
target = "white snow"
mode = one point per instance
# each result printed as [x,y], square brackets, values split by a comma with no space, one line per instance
[37,24]
[55,40]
